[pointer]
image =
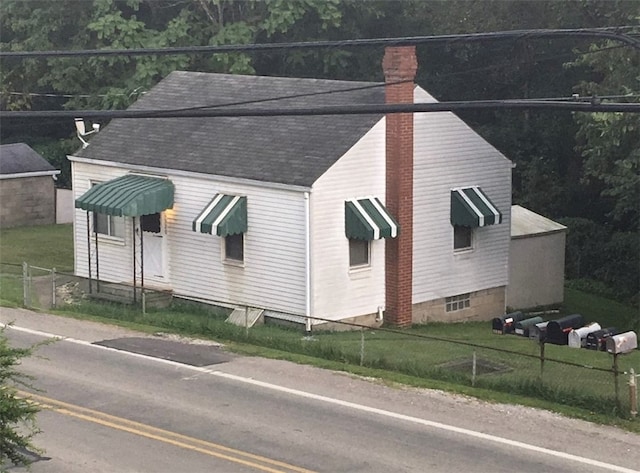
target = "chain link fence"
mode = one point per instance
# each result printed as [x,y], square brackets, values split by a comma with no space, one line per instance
[468,354]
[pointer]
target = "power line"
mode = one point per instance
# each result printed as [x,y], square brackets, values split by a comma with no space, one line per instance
[593,106]
[510,64]
[601,33]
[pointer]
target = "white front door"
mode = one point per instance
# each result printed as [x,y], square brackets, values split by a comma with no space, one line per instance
[153,255]
[153,247]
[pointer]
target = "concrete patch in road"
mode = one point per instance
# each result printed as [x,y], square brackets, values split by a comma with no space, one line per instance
[181,352]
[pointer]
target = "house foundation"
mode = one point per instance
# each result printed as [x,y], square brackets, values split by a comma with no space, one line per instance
[483,305]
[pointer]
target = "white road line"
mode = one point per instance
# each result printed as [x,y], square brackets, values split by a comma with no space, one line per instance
[347,404]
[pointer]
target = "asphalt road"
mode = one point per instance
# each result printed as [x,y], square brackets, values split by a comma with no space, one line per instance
[110,409]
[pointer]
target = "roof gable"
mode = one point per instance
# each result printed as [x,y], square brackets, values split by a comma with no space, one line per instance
[287,150]
[20,158]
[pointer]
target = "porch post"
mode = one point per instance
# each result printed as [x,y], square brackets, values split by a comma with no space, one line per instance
[89,252]
[133,244]
[95,233]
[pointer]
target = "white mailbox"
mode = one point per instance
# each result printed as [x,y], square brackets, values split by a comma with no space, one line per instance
[622,343]
[578,336]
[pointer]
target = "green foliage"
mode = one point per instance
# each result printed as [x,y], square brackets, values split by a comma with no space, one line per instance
[17,415]
[611,259]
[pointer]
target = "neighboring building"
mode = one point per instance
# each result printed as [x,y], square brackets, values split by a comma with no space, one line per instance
[303,216]
[536,260]
[27,190]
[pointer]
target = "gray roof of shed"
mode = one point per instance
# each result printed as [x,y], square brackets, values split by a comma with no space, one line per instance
[287,150]
[525,223]
[20,158]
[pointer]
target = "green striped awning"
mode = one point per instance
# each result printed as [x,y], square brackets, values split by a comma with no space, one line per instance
[224,215]
[128,196]
[470,207]
[368,219]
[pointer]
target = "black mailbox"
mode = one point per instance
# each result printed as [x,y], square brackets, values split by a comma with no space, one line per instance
[598,340]
[538,332]
[507,323]
[558,330]
[523,326]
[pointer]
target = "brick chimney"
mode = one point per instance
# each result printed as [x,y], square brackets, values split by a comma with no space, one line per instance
[399,65]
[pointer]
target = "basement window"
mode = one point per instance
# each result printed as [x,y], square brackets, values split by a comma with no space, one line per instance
[459,302]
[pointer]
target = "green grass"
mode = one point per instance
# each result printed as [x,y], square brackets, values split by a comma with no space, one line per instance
[606,312]
[47,246]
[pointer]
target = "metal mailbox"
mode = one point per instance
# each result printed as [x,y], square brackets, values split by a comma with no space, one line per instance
[558,330]
[538,332]
[622,343]
[507,323]
[597,340]
[578,336]
[523,326]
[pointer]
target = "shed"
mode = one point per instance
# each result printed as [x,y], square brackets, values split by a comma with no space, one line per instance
[27,190]
[536,260]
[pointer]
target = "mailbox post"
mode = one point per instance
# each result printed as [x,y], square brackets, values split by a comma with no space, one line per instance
[619,345]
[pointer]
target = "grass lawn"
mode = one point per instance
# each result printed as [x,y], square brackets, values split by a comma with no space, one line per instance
[47,246]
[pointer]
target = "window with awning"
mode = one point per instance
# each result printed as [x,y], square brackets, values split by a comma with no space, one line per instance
[128,196]
[470,207]
[368,219]
[225,215]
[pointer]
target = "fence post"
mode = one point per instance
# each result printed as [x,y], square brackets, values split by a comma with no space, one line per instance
[25,284]
[474,369]
[143,296]
[541,359]
[53,288]
[361,346]
[615,379]
[633,393]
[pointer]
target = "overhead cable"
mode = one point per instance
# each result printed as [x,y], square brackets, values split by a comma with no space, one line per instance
[593,106]
[601,33]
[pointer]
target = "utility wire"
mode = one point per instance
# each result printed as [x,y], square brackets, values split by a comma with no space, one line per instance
[439,76]
[602,33]
[593,106]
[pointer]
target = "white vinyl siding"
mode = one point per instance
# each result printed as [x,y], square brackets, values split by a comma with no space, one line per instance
[338,290]
[272,275]
[114,254]
[449,154]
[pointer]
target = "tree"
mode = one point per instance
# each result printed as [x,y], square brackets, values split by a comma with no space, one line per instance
[610,142]
[17,415]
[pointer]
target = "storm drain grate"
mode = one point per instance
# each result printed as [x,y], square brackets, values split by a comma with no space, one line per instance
[482,366]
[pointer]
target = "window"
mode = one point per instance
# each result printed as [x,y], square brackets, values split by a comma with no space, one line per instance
[108,225]
[461,237]
[150,223]
[358,252]
[234,247]
[459,302]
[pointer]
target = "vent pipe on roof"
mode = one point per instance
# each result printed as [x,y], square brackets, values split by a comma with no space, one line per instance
[399,65]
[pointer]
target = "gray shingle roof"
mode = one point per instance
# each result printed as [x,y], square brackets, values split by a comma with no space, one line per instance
[19,158]
[288,150]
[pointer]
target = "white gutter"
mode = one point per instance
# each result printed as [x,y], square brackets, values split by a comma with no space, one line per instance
[197,175]
[307,262]
[29,174]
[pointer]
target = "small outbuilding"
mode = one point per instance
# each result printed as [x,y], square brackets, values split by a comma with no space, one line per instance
[536,260]
[27,188]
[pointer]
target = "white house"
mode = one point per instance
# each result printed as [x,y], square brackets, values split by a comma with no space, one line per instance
[328,216]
